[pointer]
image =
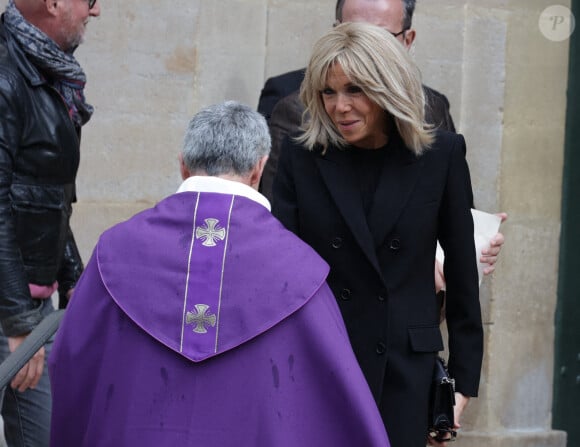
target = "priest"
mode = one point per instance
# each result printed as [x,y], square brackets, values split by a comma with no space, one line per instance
[202,321]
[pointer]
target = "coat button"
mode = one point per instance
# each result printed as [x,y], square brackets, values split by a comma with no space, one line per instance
[395,244]
[381,348]
[383,295]
[337,242]
[345,294]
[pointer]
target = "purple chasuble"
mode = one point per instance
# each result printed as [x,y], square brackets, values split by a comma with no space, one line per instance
[203,322]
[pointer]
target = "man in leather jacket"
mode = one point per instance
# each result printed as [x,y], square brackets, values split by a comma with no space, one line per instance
[42,109]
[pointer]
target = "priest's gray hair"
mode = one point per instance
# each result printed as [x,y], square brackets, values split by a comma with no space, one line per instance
[226,138]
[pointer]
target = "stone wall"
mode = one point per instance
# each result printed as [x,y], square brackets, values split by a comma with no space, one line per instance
[151,65]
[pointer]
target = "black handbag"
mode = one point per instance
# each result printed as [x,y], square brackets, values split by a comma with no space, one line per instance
[441,403]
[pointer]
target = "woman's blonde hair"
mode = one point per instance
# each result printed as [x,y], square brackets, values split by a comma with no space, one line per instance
[377,63]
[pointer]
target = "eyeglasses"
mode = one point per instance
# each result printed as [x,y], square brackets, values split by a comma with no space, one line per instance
[399,33]
[92,3]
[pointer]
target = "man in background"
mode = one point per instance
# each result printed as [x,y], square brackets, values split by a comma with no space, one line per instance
[42,110]
[203,320]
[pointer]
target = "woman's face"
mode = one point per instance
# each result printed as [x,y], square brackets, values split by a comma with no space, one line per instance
[359,120]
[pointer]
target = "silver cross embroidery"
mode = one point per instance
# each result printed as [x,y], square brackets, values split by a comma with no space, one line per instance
[199,318]
[210,232]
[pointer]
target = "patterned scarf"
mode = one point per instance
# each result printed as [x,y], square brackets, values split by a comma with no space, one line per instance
[64,72]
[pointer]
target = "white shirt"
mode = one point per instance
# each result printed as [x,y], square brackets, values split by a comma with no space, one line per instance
[223,186]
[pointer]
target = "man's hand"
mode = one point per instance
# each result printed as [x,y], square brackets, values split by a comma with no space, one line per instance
[489,255]
[30,373]
[461,402]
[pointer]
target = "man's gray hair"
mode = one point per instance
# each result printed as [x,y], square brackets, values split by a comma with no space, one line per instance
[408,10]
[226,138]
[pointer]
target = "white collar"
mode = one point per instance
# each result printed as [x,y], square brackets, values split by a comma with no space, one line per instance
[223,186]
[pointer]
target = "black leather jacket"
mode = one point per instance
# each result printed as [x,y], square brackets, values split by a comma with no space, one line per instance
[39,158]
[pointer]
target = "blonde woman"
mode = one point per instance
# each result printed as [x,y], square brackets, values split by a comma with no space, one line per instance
[372,188]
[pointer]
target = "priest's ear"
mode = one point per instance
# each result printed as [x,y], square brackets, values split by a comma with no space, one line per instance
[256,173]
[182,168]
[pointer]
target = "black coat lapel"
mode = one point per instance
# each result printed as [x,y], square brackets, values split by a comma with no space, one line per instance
[342,185]
[400,174]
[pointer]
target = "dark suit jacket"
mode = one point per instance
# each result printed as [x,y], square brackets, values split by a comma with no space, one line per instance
[382,267]
[281,106]
[278,87]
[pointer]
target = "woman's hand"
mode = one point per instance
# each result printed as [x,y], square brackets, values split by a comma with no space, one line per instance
[461,402]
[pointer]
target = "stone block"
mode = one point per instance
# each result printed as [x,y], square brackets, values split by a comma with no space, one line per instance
[130,159]
[293,27]
[154,51]
[438,49]
[231,50]
[482,104]
[531,180]
[90,219]
[516,387]
[550,438]
[536,75]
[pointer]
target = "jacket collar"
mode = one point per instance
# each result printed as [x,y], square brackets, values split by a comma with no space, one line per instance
[27,68]
[398,178]
[341,183]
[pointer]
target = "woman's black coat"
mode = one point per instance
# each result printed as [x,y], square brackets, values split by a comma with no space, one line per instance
[382,268]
